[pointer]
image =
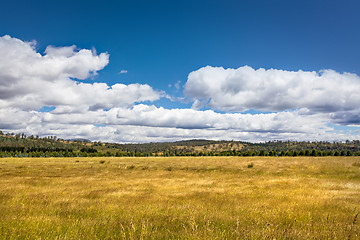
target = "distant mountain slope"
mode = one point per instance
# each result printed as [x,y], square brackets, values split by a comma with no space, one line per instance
[25,144]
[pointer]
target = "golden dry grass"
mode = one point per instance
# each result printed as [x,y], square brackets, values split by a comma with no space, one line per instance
[180,198]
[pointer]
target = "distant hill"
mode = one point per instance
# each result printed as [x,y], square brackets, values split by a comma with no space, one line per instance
[187,146]
[22,145]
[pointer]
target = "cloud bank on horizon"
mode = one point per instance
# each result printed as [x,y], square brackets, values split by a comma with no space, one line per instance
[285,105]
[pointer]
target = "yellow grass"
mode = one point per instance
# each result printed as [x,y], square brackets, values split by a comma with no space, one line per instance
[180,198]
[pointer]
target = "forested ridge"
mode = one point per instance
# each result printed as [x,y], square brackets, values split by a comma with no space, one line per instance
[20,145]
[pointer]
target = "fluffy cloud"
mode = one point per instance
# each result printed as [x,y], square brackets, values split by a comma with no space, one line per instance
[244,88]
[144,115]
[305,105]
[29,80]
[143,123]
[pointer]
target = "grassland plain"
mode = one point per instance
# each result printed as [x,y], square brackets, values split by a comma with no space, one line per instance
[180,198]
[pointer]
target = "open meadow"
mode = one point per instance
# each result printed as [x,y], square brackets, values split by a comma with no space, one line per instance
[180,198]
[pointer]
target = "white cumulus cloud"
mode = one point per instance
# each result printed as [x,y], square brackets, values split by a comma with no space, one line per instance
[304,105]
[144,123]
[29,80]
[245,88]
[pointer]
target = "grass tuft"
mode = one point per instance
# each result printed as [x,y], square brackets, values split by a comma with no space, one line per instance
[356,164]
[251,165]
[131,167]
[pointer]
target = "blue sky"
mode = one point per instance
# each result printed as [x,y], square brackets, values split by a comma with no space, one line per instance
[159,43]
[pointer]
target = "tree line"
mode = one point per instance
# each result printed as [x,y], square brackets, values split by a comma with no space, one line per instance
[94,153]
[20,145]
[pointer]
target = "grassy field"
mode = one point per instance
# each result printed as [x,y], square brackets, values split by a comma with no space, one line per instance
[180,198]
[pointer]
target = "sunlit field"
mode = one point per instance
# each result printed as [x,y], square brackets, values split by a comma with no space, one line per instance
[180,198]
